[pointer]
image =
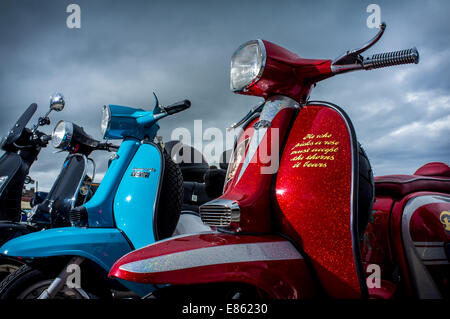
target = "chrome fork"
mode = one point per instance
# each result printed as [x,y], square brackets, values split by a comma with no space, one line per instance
[59,281]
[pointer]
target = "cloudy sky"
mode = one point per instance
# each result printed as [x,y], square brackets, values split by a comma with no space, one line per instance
[125,50]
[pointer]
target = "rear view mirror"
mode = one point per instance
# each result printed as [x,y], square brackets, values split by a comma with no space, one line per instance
[28,180]
[57,102]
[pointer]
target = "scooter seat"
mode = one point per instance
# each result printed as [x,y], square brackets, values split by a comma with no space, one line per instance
[194,196]
[192,163]
[430,177]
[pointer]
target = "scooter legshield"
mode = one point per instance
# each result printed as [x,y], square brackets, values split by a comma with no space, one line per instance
[9,165]
[316,196]
[269,263]
[101,245]
[136,199]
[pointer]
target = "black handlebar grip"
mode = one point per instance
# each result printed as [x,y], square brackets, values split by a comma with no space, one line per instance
[178,107]
[382,60]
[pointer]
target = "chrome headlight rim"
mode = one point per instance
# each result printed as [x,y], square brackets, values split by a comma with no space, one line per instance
[106,120]
[262,49]
[63,141]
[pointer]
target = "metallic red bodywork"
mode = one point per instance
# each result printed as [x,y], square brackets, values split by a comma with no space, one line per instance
[314,196]
[310,203]
[285,73]
[253,190]
[384,242]
[286,279]
[435,233]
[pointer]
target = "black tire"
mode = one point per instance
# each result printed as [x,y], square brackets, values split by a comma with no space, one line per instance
[8,266]
[211,291]
[170,199]
[29,282]
[366,191]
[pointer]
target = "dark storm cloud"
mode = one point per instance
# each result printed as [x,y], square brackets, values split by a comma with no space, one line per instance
[125,50]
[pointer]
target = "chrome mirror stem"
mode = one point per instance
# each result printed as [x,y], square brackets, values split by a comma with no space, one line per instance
[352,60]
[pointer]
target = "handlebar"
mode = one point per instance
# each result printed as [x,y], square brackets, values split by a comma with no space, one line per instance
[177,107]
[353,60]
[382,60]
[107,147]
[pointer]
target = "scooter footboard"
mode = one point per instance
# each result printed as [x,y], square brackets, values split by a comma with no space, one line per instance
[270,263]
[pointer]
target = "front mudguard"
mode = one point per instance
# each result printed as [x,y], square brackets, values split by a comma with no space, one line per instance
[11,230]
[269,263]
[101,245]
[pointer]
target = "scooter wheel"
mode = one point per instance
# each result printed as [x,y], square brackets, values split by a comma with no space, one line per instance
[170,199]
[366,191]
[29,283]
[7,266]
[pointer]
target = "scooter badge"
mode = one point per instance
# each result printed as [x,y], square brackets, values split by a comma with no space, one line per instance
[445,220]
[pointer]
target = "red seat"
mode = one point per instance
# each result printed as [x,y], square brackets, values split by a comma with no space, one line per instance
[433,176]
[434,169]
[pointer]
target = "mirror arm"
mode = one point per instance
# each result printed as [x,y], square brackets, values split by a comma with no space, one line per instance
[352,60]
[255,109]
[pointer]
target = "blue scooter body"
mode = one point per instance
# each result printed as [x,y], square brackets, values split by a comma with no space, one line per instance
[120,214]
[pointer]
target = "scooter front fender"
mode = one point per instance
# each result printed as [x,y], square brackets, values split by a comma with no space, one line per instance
[101,245]
[270,263]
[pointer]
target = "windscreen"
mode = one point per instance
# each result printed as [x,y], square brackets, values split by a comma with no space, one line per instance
[17,128]
[63,191]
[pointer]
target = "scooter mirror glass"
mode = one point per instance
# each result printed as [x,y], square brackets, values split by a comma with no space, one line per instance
[28,180]
[57,102]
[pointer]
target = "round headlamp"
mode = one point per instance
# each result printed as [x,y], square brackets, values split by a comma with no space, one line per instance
[247,65]
[106,118]
[62,134]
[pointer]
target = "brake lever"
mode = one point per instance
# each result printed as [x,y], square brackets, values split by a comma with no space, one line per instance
[352,59]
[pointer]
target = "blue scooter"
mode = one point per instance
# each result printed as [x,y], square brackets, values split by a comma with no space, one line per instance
[137,203]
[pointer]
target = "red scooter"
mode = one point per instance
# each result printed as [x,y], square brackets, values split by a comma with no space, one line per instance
[296,218]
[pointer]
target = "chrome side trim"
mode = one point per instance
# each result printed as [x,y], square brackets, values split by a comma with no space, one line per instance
[225,254]
[271,108]
[426,178]
[423,283]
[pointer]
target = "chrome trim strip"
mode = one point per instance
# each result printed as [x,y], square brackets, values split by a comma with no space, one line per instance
[423,283]
[433,253]
[225,254]
[271,108]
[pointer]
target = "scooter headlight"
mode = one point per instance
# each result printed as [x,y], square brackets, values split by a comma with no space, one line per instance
[106,119]
[247,65]
[62,134]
